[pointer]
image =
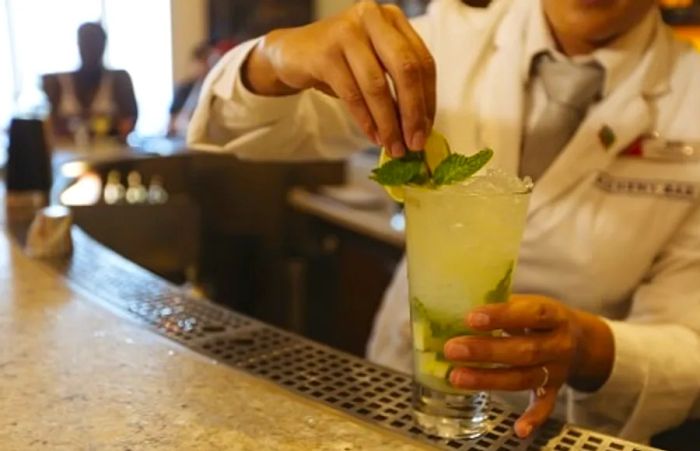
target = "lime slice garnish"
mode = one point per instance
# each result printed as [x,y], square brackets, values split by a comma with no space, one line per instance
[436,150]
[395,192]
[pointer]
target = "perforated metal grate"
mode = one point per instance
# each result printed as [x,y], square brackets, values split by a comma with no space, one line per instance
[356,387]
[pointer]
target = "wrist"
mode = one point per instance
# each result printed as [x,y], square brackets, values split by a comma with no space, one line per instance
[259,76]
[595,353]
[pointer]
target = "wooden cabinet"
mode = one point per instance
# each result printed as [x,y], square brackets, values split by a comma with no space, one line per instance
[342,279]
[227,221]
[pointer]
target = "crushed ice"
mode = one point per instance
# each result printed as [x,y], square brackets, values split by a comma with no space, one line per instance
[496,181]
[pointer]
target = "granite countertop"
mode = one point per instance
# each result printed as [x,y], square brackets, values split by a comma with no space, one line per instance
[75,376]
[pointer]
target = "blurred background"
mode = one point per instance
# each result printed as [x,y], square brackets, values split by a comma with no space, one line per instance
[276,241]
[154,41]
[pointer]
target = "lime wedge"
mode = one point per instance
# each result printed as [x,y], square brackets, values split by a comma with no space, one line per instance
[436,150]
[395,192]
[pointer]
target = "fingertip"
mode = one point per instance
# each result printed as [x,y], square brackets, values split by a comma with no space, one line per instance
[478,319]
[453,377]
[376,138]
[454,350]
[460,378]
[447,349]
[418,141]
[523,429]
[397,150]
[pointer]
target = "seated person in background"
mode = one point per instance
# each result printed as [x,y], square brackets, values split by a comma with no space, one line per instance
[93,96]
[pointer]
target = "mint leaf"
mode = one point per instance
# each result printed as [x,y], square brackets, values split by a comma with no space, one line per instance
[457,168]
[423,177]
[447,330]
[502,291]
[442,330]
[409,169]
[418,308]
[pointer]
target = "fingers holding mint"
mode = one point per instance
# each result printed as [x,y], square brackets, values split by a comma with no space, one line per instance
[435,166]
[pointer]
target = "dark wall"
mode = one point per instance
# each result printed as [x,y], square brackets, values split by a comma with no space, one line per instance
[685,16]
[243,19]
[416,7]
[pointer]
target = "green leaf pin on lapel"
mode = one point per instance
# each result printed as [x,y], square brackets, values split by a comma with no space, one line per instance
[607,137]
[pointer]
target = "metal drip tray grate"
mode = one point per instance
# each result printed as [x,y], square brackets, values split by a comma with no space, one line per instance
[356,387]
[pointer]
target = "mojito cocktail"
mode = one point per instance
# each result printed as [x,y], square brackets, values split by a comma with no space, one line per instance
[462,247]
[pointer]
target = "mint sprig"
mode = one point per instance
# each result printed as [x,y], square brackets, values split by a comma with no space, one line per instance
[412,169]
[501,292]
[401,171]
[441,329]
[457,168]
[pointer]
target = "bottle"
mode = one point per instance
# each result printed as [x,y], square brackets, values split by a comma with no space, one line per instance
[156,192]
[114,192]
[135,193]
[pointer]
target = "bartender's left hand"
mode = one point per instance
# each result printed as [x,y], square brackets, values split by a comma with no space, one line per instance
[575,347]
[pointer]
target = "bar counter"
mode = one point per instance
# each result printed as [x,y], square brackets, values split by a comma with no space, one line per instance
[100,354]
[75,375]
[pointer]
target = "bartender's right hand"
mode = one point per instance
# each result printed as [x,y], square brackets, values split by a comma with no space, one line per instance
[349,56]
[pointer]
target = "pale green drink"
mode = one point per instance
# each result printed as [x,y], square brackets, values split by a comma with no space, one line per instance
[462,248]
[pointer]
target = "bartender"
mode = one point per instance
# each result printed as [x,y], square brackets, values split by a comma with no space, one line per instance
[584,96]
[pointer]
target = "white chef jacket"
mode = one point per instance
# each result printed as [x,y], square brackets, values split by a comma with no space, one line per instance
[613,234]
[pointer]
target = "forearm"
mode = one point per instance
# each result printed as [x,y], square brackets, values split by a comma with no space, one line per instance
[654,381]
[232,118]
[595,354]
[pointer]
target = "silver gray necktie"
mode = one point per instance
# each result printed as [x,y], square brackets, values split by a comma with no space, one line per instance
[570,89]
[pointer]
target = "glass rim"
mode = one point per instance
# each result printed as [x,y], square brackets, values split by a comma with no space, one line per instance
[444,190]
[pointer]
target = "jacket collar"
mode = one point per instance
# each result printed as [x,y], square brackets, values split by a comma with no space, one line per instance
[625,112]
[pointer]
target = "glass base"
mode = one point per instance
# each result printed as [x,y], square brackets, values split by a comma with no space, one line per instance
[448,415]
